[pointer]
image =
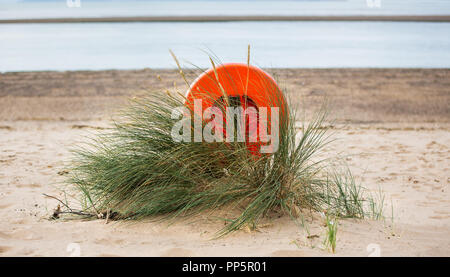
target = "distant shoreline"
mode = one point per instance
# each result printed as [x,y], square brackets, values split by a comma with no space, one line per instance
[393,18]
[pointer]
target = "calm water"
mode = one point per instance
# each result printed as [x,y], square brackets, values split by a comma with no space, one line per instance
[58,8]
[26,47]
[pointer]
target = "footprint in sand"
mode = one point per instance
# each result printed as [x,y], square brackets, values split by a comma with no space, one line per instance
[383,148]
[439,217]
[29,186]
[4,206]
[177,252]
[4,249]
[108,241]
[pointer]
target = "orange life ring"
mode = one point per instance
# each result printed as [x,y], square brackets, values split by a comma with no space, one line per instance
[241,84]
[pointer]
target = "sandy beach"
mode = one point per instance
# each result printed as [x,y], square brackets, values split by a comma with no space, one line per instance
[392,126]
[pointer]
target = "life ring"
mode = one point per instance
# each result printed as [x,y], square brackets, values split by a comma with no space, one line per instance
[240,85]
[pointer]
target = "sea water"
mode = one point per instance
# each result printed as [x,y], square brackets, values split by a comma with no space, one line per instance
[94,46]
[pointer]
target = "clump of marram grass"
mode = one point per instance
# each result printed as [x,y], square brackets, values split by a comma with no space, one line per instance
[137,170]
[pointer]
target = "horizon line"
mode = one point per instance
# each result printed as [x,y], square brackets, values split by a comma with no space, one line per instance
[394,18]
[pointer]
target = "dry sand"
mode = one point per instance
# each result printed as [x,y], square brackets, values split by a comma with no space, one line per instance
[393,124]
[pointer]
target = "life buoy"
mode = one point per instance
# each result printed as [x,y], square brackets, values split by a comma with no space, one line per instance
[239,85]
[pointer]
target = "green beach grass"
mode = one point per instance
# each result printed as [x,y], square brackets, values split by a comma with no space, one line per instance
[136,170]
